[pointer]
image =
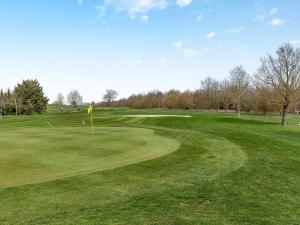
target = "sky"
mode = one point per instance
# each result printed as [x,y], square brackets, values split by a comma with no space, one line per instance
[135,46]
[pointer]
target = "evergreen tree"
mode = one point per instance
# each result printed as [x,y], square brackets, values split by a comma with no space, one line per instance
[29,97]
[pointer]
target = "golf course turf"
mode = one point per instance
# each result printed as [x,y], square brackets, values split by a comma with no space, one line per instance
[209,168]
[43,154]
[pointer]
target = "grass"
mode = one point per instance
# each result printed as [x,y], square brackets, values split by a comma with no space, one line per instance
[37,155]
[212,168]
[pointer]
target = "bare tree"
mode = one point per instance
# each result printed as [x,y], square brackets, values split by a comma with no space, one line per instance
[225,93]
[74,98]
[17,102]
[240,81]
[110,95]
[208,86]
[216,94]
[283,73]
[59,100]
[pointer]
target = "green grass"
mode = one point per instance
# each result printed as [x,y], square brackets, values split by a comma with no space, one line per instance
[212,168]
[37,155]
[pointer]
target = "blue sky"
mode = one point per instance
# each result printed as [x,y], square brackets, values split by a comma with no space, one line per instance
[137,45]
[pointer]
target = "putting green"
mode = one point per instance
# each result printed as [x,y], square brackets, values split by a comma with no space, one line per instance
[33,155]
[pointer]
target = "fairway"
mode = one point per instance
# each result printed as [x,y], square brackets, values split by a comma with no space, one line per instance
[196,168]
[35,155]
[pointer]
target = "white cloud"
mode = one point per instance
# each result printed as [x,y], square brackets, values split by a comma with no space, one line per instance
[273,11]
[135,8]
[211,34]
[277,22]
[132,7]
[295,42]
[187,52]
[235,30]
[144,17]
[137,62]
[199,17]
[183,3]
[260,18]
[178,44]
[267,14]
[162,60]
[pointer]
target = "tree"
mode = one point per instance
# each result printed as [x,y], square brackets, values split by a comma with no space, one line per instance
[225,93]
[186,100]
[216,94]
[208,85]
[110,95]
[153,99]
[240,81]
[29,97]
[59,100]
[17,102]
[9,106]
[74,98]
[171,99]
[283,73]
[2,102]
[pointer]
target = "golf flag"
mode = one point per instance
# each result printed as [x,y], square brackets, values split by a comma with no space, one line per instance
[90,111]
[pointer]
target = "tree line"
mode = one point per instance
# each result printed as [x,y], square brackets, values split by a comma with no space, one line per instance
[26,98]
[275,87]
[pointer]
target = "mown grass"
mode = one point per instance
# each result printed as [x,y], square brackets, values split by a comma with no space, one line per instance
[227,170]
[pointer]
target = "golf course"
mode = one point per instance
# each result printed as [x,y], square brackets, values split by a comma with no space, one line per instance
[149,166]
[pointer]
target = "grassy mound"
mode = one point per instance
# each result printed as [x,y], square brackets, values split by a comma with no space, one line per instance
[32,155]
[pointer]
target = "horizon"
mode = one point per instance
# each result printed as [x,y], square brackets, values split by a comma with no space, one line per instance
[137,46]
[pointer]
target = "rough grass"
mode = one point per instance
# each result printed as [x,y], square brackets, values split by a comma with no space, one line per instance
[226,171]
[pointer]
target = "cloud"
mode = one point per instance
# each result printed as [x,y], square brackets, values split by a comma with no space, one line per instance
[273,11]
[187,52]
[135,8]
[144,17]
[277,22]
[235,30]
[132,7]
[183,3]
[199,17]
[295,42]
[178,44]
[162,60]
[137,61]
[80,2]
[267,14]
[211,34]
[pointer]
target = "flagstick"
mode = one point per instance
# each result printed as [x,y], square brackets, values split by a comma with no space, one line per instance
[92,123]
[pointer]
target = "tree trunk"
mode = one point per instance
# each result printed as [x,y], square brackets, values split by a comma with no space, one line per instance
[239,109]
[283,117]
[208,106]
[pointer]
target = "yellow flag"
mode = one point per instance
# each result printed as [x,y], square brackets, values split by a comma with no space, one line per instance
[90,109]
